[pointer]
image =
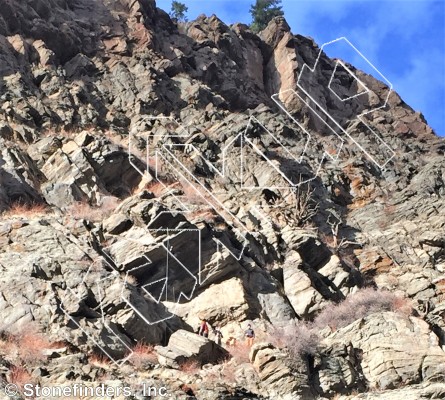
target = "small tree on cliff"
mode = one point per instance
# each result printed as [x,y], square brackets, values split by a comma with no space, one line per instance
[178,11]
[263,11]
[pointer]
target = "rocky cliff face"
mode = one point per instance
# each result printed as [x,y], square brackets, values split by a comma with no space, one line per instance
[152,175]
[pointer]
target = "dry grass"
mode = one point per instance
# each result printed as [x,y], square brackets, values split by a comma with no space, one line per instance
[69,133]
[240,352]
[31,346]
[99,360]
[83,210]
[194,194]
[27,347]
[229,371]
[156,187]
[26,210]
[190,367]
[19,376]
[143,354]
[9,348]
[205,214]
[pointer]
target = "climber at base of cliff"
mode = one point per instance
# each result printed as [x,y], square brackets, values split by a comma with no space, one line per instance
[250,335]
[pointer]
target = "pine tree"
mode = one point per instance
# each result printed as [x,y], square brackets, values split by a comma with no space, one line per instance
[263,11]
[178,11]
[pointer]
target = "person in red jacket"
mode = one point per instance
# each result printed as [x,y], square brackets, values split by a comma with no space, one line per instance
[204,328]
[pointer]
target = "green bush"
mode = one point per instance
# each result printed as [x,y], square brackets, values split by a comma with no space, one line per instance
[263,11]
[178,11]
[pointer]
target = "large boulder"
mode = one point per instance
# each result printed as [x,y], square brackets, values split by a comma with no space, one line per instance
[215,305]
[396,349]
[338,370]
[426,391]
[280,378]
[184,345]
[302,295]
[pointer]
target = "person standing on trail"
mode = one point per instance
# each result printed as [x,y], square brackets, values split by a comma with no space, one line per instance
[204,328]
[250,335]
[218,335]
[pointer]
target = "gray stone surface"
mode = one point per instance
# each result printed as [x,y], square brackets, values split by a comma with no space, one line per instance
[79,84]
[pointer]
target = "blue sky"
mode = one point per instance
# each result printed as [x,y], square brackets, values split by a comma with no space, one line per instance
[403,39]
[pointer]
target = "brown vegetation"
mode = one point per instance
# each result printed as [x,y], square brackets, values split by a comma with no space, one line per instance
[190,366]
[299,338]
[240,352]
[195,194]
[83,210]
[31,346]
[20,209]
[204,214]
[157,187]
[302,338]
[99,360]
[143,354]
[359,305]
[26,347]
[19,376]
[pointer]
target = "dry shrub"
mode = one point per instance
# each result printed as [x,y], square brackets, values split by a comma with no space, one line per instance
[305,205]
[229,372]
[70,132]
[389,209]
[83,210]
[31,346]
[195,194]
[26,210]
[190,366]
[58,345]
[143,354]
[27,347]
[299,338]
[402,305]
[204,214]
[8,347]
[154,163]
[157,188]
[240,352]
[104,376]
[99,360]
[359,305]
[19,376]
[349,258]
[302,339]
[127,143]
[328,239]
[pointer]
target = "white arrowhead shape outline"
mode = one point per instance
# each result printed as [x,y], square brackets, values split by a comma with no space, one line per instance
[305,67]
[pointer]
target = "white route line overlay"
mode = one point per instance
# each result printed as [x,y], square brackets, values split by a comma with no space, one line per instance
[244,139]
[305,67]
[115,275]
[164,152]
